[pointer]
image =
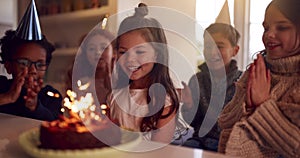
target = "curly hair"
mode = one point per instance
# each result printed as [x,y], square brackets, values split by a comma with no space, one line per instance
[10,43]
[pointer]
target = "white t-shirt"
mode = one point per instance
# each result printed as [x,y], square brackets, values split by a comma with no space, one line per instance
[176,80]
[129,106]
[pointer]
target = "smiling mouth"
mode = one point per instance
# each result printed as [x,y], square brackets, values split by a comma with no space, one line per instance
[272,46]
[134,68]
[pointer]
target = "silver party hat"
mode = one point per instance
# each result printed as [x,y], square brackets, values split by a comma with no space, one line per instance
[29,27]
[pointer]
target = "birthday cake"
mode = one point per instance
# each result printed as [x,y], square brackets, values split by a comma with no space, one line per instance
[84,126]
[71,133]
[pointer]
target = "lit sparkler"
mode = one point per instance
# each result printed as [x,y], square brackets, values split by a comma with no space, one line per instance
[84,106]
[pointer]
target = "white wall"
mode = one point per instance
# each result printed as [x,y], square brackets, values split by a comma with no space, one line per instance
[122,12]
[7,11]
[187,6]
[127,4]
[8,16]
[179,17]
[241,17]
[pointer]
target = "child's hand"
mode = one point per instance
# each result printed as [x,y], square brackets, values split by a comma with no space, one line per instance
[14,92]
[33,89]
[259,83]
[186,96]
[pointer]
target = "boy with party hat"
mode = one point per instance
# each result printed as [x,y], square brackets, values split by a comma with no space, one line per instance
[26,54]
[213,87]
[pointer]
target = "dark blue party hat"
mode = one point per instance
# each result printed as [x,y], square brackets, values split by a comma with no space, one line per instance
[29,27]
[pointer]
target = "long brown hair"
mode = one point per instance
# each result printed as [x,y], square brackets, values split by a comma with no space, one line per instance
[153,33]
[81,63]
[290,9]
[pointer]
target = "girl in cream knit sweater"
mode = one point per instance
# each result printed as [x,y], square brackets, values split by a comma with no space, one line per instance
[263,118]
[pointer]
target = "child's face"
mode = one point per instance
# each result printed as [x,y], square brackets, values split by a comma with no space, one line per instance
[218,51]
[280,36]
[99,45]
[27,53]
[135,55]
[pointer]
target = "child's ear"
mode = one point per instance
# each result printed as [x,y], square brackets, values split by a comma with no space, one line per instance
[236,50]
[8,67]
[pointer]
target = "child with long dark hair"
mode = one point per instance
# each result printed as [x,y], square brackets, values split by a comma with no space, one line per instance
[93,65]
[143,96]
[262,119]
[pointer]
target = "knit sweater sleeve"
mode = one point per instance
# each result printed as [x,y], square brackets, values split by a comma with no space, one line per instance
[275,129]
[235,109]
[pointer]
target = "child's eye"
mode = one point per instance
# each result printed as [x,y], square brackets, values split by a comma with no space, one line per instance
[266,29]
[102,48]
[91,49]
[140,52]
[121,52]
[220,46]
[41,64]
[282,28]
[24,62]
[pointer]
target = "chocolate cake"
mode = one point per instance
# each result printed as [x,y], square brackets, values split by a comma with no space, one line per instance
[71,133]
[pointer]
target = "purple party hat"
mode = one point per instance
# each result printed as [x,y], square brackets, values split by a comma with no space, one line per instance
[29,27]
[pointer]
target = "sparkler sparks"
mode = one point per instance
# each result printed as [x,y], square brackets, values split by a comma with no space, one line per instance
[84,105]
[52,94]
